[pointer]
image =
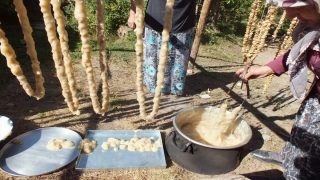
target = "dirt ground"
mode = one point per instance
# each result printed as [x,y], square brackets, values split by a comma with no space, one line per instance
[269,115]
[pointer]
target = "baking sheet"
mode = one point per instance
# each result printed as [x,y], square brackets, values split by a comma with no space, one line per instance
[100,159]
[33,158]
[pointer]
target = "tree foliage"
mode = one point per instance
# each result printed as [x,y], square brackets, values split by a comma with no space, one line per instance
[6,7]
[230,18]
[116,13]
[233,15]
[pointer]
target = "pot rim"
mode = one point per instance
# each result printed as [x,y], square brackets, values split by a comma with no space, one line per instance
[206,145]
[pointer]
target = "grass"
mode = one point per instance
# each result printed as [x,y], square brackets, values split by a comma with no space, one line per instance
[42,113]
[121,49]
[116,102]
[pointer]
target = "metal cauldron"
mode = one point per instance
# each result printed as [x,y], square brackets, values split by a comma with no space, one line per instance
[203,158]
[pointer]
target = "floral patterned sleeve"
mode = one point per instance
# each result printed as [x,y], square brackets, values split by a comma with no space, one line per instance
[279,64]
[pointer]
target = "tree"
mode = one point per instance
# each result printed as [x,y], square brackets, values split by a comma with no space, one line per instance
[202,20]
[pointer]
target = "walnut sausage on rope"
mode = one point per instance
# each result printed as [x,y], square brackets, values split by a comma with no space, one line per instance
[31,51]
[286,44]
[56,54]
[81,16]
[63,37]
[167,25]
[279,26]
[103,57]
[250,28]
[139,19]
[167,20]
[7,50]
[260,35]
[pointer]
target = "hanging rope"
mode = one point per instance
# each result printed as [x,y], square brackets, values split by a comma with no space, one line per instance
[139,19]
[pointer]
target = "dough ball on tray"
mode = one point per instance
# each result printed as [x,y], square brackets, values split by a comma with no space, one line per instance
[87,146]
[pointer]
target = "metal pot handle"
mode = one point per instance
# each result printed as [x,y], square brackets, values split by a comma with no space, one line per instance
[187,146]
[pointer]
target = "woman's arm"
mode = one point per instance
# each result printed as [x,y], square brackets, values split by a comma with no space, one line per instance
[279,64]
[255,72]
[132,14]
[277,67]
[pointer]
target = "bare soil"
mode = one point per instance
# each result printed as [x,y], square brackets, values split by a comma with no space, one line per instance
[270,115]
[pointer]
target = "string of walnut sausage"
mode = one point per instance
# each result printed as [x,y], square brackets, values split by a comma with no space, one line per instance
[250,28]
[286,44]
[86,49]
[31,50]
[7,50]
[163,57]
[258,41]
[50,28]
[103,57]
[9,53]
[63,37]
[60,53]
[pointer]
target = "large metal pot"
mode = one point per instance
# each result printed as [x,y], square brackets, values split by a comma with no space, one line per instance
[203,158]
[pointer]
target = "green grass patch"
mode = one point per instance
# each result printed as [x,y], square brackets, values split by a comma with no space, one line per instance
[121,49]
[116,102]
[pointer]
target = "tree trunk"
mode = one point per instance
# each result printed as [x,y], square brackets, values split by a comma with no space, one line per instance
[201,23]
[213,14]
[216,8]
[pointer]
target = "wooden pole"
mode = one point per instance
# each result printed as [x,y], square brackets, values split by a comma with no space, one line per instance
[197,38]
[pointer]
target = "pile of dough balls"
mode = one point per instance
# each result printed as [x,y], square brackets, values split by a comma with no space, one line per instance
[134,144]
[56,144]
[87,145]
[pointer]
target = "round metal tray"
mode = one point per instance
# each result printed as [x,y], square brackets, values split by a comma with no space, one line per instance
[32,158]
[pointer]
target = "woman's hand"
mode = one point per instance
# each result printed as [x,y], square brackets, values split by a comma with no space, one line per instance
[254,72]
[132,15]
[131,23]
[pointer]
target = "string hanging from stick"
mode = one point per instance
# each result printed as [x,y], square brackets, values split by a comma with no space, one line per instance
[81,16]
[251,26]
[279,26]
[286,44]
[9,53]
[260,35]
[252,45]
[163,57]
[50,28]
[63,37]
[103,57]
[60,53]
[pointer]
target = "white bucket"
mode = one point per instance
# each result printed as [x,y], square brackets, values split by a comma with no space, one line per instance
[5,127]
